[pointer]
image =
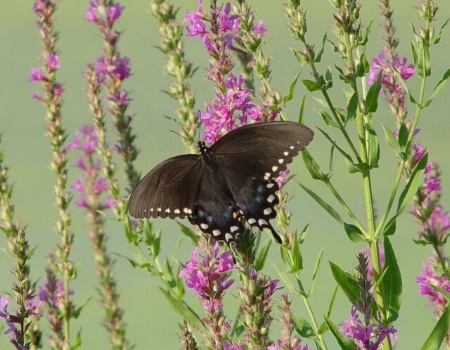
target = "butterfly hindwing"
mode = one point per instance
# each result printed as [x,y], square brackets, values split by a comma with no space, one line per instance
[216,212]
[169,190]
[256,199]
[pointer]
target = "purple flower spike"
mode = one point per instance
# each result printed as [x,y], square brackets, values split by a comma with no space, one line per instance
[208,277]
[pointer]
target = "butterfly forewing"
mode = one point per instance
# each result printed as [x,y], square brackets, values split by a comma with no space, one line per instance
[169,190]
[262,150]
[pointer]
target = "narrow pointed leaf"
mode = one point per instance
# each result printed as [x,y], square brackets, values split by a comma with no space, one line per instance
[311,85]
[354,233]
[183,310]
[290,93]
[344,343]
[328,208]
[391,283]
[372,96]
[303,328]
[316,271]
[261,255]
[439,332]
[346,282]
[390,139]
[413,184]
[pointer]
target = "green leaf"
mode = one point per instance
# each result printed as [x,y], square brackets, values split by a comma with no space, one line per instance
[316,271]
[312,166]
[439,86]
[352,107]
[290,93]
[346,282]
[327,118]
[371,102]
[303,328]
[403,138]
[284,276]
[356,168]
[261,255]
[391,283]
[296,256]
[328,208]
[328,79]
[187,231]
[344,154]
[311,85]
[344,342]
[391,226]
[365,36]
[354,233]
[413,184]
[299,57]
[373,147]
[439,332]
[391,139]
[301,110]
[318,57]
[182,309]
[424,69]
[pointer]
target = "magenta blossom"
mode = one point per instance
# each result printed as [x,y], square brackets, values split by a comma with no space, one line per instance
[229,110]
[428,280]
[118,67]
[382,64]
[99,13]
[209,277]
[369,336]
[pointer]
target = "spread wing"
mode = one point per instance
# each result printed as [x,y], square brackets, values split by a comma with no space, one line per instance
[169,190]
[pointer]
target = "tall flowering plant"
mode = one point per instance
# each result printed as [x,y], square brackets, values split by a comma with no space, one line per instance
[240,74]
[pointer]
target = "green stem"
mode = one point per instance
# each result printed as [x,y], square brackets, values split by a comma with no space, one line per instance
[309,309]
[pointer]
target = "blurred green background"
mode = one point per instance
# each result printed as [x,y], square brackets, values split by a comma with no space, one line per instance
[151,324]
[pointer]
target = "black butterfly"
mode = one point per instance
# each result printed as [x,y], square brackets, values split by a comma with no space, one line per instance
[232,180]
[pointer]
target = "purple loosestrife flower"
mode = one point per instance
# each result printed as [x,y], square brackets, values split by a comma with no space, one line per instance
[209,278]
[31,307]
[391,86]
[117,67]
[53,293]
[369,336]
[99,13]
[228,110]
[231,346]
[93,185]
[380,64]
[428,279]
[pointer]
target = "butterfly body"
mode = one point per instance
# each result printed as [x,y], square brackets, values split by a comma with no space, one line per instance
[231,182]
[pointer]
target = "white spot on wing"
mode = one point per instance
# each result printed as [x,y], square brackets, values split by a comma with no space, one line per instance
[234,229]
[251,221]
[267,211]
[286,153]
[270,185]
[216,233]
[262,222]
[281,161]
[271,198]
[228,237]
[167,210]
[177,211]
[204,226]
[291,147]
[274,168]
